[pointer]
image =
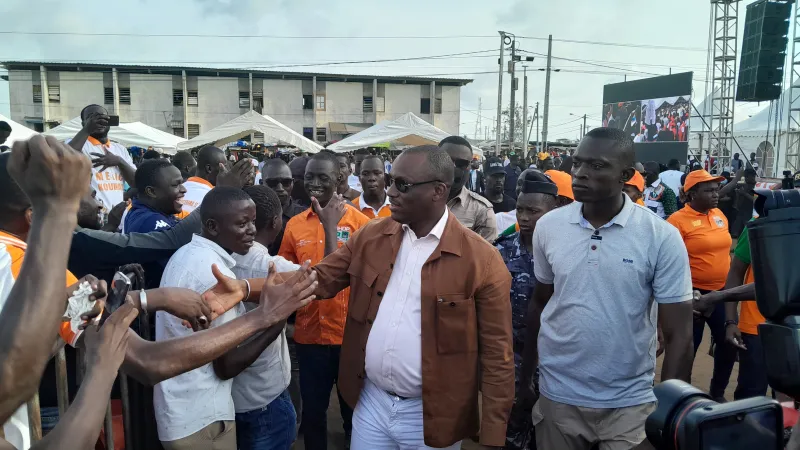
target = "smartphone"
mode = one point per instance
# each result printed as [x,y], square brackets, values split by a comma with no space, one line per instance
[113,121]
[120,285]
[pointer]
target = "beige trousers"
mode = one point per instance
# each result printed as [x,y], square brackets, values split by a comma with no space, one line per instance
[220,435]
[567,427]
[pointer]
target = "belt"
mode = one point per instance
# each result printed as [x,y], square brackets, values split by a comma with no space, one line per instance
[394,394]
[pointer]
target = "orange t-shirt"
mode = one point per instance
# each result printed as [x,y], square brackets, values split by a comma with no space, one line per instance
[322,321]
[369,212]
[16,250]
[708,243]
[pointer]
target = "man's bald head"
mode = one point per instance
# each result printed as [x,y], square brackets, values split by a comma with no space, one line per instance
[208,160]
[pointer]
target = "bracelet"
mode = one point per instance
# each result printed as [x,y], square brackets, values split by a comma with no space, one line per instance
[248,289]
[731,322]
[143,301]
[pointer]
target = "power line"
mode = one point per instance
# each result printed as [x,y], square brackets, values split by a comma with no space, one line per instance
[342,37]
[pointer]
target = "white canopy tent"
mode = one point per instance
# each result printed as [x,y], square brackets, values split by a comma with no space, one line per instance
[244,125]
[127,134]
[19,132]
[407,129]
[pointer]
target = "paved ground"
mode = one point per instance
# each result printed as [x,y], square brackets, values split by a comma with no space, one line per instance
[701,377]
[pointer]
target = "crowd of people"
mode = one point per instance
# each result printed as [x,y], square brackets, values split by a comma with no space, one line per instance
[520,305]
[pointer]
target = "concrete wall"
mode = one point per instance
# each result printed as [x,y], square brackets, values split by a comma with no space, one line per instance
[20,90]
[400,99]
[78,89]
[151,101]
[217,102]
[283,101]
[450,118]
[344,103]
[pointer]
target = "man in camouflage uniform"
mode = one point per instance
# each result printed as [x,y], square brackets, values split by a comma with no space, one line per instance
[537,196]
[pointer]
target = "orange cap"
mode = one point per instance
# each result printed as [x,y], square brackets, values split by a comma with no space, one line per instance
[637,181]
[698,176]
[563,181]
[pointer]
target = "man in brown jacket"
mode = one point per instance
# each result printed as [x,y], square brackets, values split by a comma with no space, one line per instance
[429,320]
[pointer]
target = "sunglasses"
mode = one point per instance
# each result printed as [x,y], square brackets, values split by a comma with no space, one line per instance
[274,182]
[403,186]
[462,163]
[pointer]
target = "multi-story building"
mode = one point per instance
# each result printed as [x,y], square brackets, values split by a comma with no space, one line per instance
[187,101]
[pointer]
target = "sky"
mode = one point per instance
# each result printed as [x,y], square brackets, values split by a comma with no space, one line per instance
[289,32]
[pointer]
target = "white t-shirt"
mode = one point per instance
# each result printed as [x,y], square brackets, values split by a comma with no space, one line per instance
[269,375]
[16,429]
[354,182]
[109,183]
[672,178]
[196,189]
[189,402]
[505,220]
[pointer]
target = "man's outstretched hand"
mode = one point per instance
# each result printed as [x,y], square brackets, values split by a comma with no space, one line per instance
[238,176]
[225,294]
[280,299]
[51,173]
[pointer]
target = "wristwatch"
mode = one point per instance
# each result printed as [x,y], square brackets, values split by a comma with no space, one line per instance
[731,322]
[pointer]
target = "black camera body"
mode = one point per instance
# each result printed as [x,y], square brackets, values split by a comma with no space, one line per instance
[687,418]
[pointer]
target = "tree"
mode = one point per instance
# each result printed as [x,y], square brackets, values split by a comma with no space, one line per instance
[518,126]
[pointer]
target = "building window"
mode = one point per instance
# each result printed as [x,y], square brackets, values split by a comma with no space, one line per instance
[437,106]
[194,130]
[368,105]
[193,99]
[308,102]
[322,134]
[244,99]
[177,99]
[37,93]
[425,106]
[258,101]
[54,94]
[108,96]
[258,137]
[320,104]
[178,131]
[124,96]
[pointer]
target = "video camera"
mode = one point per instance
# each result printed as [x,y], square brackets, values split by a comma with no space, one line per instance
[687,418]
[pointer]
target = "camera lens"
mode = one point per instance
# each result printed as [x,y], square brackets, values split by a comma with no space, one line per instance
[676,400]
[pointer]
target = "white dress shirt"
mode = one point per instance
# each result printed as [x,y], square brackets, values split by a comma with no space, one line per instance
[189,402]
[269,375]
[394,346]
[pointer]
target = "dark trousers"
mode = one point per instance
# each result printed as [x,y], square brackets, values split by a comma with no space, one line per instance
[752,369]
[319,371]
[724,353]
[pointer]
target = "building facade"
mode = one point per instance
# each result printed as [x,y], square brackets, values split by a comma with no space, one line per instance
[188,101]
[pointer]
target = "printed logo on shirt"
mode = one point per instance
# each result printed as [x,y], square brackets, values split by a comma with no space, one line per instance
[697,223]
[303,242]
[718,220]
[343,234]
[627,261]
[161,224]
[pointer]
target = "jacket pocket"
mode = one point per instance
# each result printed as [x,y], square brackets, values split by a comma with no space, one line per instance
[362,282]
[456,325]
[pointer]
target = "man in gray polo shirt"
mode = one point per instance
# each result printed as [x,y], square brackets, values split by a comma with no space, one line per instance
[602,263]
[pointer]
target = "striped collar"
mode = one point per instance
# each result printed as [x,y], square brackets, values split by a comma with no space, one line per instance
[10,239]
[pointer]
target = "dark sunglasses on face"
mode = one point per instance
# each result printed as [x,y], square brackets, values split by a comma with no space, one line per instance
[274,182]
[462,163]
[403,186]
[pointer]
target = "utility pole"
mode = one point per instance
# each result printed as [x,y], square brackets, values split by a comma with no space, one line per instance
[525,111]
[547,91]
[538,141]
[499,93]
[478,122]
[584,127]
[512,108]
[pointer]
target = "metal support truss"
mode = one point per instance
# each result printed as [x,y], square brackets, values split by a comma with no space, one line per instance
[723,81]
